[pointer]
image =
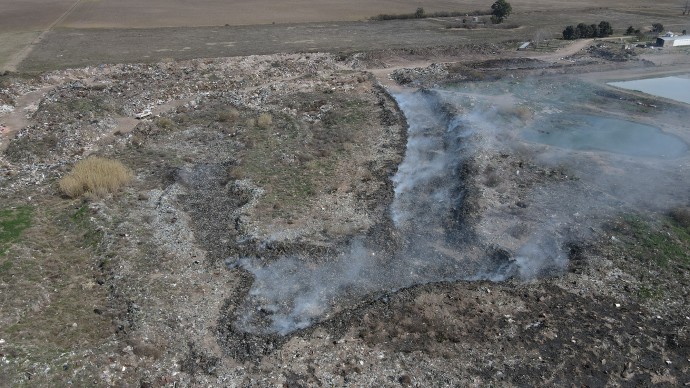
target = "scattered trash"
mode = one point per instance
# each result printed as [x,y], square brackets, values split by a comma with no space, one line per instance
[143,114]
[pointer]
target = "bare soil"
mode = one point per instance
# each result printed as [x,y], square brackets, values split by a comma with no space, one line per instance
[291,155]
[133,14]
[65,45]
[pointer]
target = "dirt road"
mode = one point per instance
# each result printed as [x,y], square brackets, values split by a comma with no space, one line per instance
[19,56]
[561,53]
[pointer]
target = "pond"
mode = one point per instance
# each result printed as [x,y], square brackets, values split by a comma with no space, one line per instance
[593,133]
[674,88]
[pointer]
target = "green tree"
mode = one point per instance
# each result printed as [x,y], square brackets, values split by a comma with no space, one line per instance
[594,31]
[500,10]
[569,33]
[583,31]
[630,30]
[605,29]
[419,13]
[658,27]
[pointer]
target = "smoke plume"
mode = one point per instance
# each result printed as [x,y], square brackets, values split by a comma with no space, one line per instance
[445,129]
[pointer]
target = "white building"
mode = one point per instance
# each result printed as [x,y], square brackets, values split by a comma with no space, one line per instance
[671,40]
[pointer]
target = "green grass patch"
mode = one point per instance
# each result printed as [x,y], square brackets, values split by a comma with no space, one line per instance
[12,223]
[50,292]
[5,266]
[286,183]
[91,236]
[650,292]
[664,244]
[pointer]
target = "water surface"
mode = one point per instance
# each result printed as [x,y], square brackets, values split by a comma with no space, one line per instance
[593,133]
[674,88]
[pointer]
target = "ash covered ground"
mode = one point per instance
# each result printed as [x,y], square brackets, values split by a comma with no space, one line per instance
[293,222]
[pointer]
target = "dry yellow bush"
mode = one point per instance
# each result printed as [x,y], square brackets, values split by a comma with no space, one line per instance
[95,176]
[520,112]
[229,115]
[265,120]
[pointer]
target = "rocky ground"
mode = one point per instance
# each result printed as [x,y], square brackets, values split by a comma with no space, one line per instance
[268,157]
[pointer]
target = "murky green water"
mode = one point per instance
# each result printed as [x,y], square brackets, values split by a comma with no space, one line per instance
[593,133]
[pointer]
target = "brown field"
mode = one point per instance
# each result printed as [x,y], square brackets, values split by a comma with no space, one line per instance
[23,24]
[68,47]
[32,14]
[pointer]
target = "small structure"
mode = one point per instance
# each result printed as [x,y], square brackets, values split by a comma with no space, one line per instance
[672,40]
[524,45]
[144,114]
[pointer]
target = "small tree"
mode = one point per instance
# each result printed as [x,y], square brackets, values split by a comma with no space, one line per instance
[419,13]
[630,30]
[583,31]
[500,10]
[605,28]
[594,31]
[658,28]
[570,33]
[540,36]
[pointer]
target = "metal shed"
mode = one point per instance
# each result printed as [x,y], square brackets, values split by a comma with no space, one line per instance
[671,40]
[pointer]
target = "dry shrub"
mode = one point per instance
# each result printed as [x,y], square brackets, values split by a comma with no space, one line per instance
[681,215]
[520,112]
[265,120]
[229,115]
[165,123]
[523,113]
[95,176]
[492,180]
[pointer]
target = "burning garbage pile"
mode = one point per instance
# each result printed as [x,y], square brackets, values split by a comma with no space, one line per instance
[449,220]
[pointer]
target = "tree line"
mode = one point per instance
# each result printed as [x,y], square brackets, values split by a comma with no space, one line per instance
[582,30]
[500,10]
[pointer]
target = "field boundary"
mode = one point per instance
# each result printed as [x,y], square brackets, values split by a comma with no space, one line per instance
[17,58]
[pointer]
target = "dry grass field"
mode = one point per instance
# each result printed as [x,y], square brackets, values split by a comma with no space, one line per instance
[22,23]
[158,13]
[31,15]
[69,48]
[26,23]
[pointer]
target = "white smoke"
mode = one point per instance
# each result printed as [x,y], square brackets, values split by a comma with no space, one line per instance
[292,293]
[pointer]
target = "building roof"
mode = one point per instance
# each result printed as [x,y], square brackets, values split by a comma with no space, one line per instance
[674,37]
